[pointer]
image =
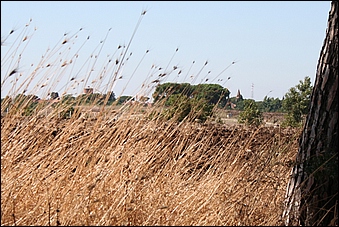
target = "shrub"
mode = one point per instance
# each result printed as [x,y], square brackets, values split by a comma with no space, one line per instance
[251,114]
[297,102]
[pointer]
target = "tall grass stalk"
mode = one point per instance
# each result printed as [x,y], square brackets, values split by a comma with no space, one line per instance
[129,166]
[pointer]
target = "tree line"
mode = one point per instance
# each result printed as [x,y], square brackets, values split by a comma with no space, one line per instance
[182,99]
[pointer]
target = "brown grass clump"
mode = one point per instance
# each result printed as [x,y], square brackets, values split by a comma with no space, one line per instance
[136,171]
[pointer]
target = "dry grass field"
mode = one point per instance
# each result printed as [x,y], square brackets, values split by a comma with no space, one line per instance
[141,171]
[127,166]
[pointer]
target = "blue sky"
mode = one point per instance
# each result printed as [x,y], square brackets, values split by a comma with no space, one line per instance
[273,45]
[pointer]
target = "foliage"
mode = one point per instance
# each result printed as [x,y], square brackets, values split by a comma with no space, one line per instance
[270,104]
[296,103]
[122,99]
[111,98]
[212,93]
[239,102]
[251,115]
[96,98]
[181,107]
[25,103]
[165,90]
[90,99]
[191,101]
[67,99]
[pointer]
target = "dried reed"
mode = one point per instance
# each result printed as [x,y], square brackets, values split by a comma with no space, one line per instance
[128,166]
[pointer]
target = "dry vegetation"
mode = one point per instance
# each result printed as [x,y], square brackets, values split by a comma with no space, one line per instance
[124,168]
[133,171]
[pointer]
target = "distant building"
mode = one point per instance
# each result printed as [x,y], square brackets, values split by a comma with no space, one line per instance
[239,96]
[88,90]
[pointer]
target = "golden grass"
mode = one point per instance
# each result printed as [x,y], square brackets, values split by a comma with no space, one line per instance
[141,171]
[124,167]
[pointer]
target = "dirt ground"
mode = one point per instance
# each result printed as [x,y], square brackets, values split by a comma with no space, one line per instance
[270,119]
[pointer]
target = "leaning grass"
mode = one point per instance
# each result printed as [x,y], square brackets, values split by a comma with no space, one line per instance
[141,171]
[129,166]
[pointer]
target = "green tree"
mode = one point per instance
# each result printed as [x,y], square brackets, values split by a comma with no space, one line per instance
[165,90]
[91,99]
[212,93]
[181,107]
[270,104]
[111,97]
[122,99]
[67,104]
[251,115]
[184,100]
[68,99]
[26,104]
[238,101]
[296,103]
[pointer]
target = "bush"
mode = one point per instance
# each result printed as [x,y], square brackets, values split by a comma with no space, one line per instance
[297,102]
[251,114]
